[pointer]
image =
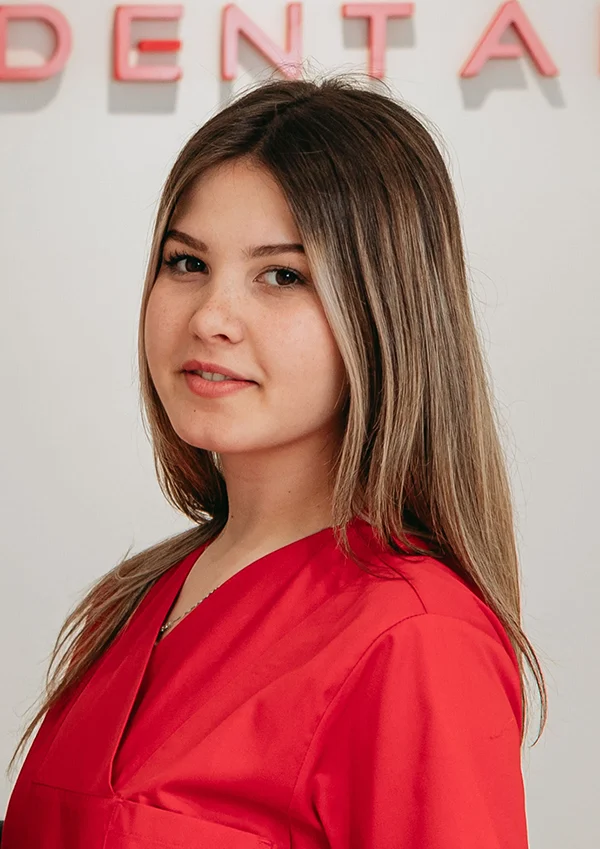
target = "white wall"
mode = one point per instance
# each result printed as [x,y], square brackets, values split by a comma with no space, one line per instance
[81,166]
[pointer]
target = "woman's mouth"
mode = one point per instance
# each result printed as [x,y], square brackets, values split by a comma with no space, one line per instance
[212,375]
[213,384]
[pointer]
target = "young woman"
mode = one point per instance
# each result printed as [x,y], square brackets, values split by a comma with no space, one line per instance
[332,656]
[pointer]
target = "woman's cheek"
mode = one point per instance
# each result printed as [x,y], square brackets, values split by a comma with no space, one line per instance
[161,319]
[158,330]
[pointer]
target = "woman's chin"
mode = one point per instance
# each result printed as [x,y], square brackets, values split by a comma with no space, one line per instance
[212,441]
[216,445]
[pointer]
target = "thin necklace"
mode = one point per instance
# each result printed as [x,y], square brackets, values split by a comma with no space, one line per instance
[170,624]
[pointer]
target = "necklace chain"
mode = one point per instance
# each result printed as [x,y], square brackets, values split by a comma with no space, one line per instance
[170,624]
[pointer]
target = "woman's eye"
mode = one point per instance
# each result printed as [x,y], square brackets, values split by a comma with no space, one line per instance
[183,263]
[287,277]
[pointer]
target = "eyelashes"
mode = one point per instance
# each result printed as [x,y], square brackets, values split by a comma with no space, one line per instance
[173,260]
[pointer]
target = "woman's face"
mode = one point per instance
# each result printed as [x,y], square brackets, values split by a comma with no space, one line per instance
[220,301]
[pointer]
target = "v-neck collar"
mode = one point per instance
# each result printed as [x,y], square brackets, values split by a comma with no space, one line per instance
[294,548]
[94,724]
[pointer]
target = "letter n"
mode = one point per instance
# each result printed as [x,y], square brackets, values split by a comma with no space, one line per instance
[236,23]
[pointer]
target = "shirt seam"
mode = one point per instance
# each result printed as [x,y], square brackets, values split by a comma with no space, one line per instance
[326,711]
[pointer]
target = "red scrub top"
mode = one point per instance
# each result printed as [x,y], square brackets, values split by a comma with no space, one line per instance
[302,705]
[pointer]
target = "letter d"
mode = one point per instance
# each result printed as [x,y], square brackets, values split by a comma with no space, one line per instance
[62,34]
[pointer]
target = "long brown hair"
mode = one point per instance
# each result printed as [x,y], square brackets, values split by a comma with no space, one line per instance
[374,204]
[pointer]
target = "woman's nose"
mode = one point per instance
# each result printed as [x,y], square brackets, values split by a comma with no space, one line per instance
[218,312]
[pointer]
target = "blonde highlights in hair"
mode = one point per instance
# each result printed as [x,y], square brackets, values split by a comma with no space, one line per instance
[420,454]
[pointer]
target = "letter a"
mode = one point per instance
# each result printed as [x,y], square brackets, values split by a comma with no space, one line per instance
[490,47]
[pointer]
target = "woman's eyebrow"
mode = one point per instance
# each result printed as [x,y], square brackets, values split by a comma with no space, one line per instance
[251,253]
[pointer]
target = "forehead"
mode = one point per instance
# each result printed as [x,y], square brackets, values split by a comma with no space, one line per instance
[237,191]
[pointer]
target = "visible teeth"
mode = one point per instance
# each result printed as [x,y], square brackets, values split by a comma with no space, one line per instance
[209,375]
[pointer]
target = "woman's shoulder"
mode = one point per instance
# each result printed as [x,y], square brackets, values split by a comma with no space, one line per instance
[426,592]
[426,627]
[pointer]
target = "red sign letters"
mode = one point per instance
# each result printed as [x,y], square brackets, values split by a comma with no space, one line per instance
[287,59]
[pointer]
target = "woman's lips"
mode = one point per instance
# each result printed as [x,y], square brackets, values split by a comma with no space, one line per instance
[214,388]
[214,368]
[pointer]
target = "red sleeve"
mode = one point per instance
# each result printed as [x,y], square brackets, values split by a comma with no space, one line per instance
[420,749]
